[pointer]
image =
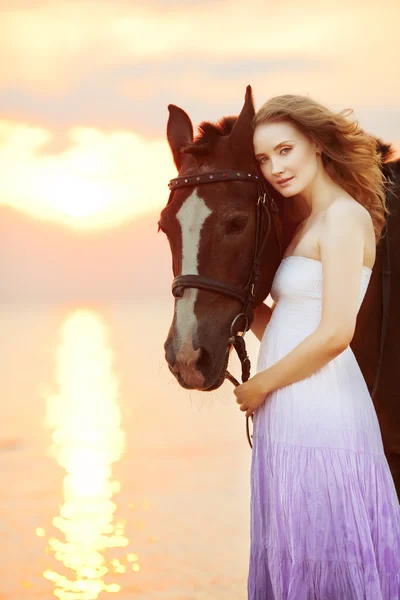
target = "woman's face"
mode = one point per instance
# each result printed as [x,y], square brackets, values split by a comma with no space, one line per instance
[288,159]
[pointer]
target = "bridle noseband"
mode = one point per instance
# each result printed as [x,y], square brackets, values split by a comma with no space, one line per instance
[266,211]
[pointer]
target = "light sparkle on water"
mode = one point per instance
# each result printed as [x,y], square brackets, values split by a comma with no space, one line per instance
[87,438]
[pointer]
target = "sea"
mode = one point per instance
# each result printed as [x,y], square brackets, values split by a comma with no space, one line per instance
[115,481]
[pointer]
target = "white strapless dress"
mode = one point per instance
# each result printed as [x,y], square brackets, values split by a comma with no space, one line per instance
[325,518]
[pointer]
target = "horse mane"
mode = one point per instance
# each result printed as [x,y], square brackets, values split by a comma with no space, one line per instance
[385,150]
[208,135]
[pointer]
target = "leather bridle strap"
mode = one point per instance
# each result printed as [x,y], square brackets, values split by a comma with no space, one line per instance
[208,284]
[212,177]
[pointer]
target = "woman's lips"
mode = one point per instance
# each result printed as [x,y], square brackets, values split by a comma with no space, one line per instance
[284,182]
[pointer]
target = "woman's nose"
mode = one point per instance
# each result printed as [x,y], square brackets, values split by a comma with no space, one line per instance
[276,169]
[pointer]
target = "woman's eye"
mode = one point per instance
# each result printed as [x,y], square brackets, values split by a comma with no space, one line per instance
[285,151]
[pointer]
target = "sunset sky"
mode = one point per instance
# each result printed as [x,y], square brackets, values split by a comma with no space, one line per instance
[85,87]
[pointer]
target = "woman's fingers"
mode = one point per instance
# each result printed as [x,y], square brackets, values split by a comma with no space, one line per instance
[244,407]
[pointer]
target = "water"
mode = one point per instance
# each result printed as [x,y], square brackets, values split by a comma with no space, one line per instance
[115,481]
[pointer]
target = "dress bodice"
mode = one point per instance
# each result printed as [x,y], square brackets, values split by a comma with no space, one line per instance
[297,290]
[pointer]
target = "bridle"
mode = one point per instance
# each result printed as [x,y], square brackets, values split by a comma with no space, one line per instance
[267,212]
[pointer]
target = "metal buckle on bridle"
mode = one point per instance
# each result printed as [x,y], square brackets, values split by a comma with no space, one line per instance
[274,205]
[233,335]
[263,200]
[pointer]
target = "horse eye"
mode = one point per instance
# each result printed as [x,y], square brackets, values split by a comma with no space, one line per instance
[236,224]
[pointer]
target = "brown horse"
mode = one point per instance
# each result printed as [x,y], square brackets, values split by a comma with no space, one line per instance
[211,230]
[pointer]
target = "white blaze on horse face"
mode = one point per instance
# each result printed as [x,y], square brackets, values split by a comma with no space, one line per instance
[191,217]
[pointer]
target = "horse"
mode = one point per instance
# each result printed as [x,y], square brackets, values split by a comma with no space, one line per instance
[228,230]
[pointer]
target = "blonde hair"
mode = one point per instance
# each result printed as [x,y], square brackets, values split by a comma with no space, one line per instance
[350,156]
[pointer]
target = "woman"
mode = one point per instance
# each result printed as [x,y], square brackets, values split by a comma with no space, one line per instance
[325,518]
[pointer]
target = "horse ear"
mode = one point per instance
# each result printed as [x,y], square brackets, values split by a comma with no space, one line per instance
[241,136]
[179,132]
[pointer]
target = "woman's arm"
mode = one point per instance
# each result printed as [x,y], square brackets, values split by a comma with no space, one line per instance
[342,252]
[262,316]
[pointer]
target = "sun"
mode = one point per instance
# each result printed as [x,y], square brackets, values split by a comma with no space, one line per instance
[99,181]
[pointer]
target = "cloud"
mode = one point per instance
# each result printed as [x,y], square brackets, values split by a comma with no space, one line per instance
[53,45]
[136,95]
[85,87]
[118,65]
[100,180]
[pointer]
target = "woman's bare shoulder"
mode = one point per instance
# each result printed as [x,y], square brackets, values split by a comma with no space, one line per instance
[347,208]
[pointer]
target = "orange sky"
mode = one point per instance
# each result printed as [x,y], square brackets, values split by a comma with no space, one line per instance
[85,87]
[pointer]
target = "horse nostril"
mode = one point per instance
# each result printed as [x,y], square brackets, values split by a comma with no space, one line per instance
[203,362]
[169,352]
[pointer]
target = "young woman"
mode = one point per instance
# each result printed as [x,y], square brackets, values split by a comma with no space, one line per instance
[325,518]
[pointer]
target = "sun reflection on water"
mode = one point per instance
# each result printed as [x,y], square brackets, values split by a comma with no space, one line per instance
[86,440]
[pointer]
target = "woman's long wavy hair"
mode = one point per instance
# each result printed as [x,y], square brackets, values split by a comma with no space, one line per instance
[350,156]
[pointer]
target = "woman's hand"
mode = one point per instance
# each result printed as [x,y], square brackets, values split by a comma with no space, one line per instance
[251,395]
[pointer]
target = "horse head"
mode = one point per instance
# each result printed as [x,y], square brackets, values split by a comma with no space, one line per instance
[212,230]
